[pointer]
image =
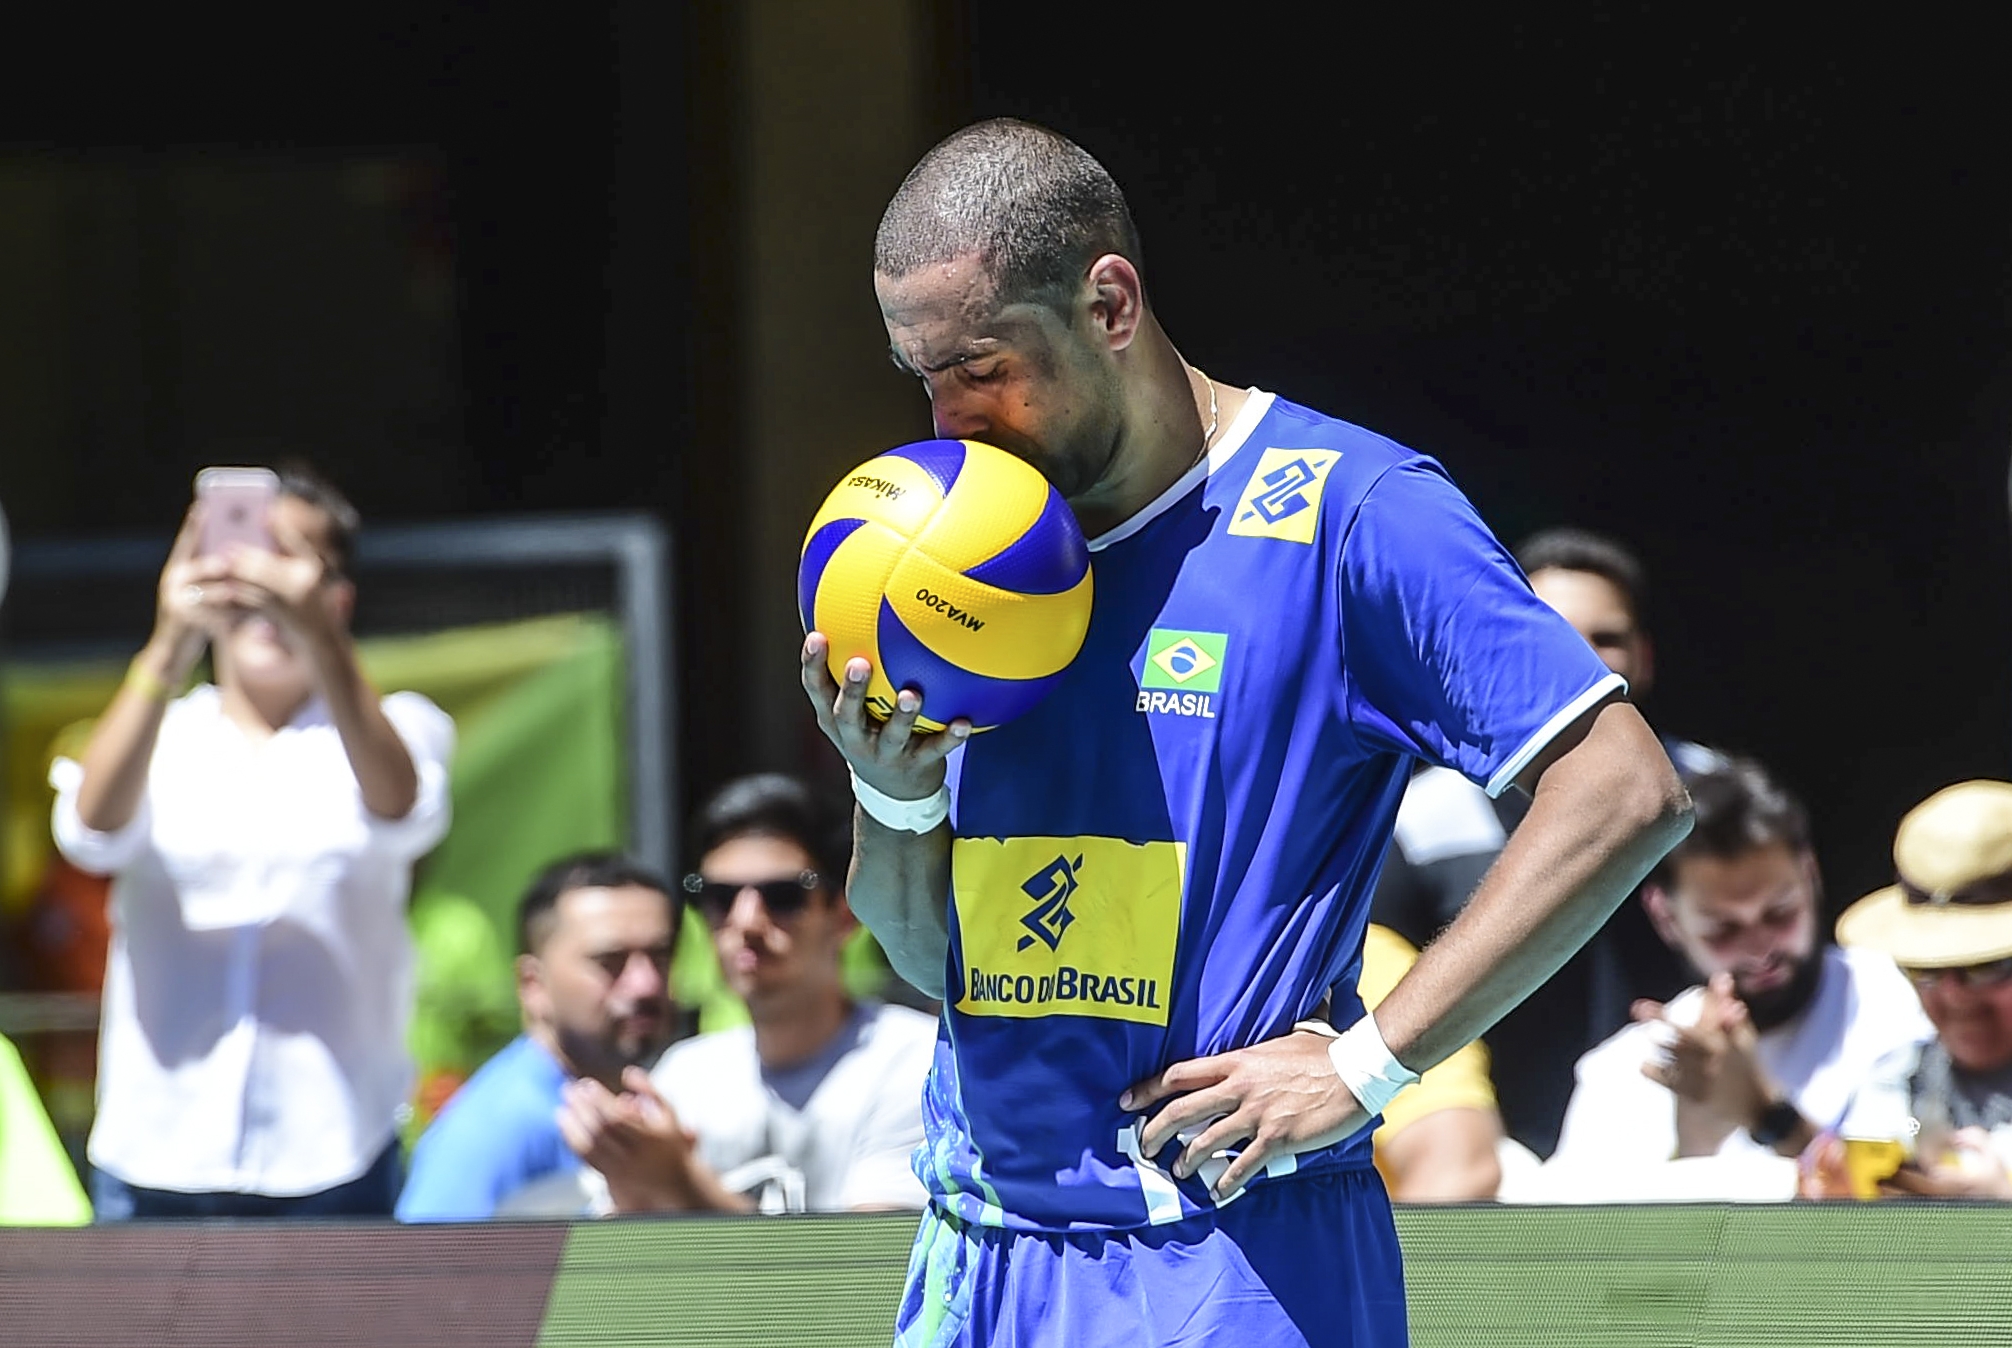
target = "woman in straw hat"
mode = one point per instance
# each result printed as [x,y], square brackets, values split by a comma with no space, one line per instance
[1947,923]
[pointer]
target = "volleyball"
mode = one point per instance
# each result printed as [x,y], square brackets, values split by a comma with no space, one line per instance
[956,570]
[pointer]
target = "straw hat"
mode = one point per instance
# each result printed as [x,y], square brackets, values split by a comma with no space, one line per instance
[1953,905]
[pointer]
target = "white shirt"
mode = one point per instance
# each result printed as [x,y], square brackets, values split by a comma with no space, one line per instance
[1619,1138]
[851,1143]
[260,982]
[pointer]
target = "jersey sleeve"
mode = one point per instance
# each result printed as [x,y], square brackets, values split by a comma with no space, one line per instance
[1448,654]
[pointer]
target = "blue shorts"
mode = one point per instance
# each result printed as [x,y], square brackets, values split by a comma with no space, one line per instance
[1299,1263]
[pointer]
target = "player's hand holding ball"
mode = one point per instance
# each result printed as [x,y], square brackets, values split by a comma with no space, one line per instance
[944,586]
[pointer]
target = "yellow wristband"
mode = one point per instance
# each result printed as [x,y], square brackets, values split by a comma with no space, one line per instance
[147,683]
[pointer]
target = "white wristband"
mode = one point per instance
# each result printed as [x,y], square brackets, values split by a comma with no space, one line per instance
[1366,1065]
[906,816]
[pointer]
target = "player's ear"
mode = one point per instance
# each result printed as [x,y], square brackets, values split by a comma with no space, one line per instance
[1117,300]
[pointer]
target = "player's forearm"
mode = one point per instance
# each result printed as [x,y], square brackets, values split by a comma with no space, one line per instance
[383,766]
[1603,813]
[900,888]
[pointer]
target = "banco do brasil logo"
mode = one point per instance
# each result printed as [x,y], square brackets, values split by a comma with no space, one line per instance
[1051,888]
[1284,491]
[1282,499]
[1066,926]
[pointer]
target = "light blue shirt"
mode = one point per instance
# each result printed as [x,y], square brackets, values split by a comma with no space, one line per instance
[499,1133]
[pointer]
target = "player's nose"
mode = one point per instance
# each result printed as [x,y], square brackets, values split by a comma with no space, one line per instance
[957,418]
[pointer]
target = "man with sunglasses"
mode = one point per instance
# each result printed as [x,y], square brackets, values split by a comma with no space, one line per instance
[816,1104]
[1712,1095]
[1948,922]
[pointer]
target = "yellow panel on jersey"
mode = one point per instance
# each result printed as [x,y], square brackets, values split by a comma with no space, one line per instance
[1282,499]
[1067,926]
[1460,1082]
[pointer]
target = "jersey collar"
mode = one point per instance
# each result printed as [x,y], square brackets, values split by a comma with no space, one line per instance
[1256,404]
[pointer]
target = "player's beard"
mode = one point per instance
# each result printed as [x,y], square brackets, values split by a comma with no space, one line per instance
[1075,453]
[1777,1006]
[1074,459]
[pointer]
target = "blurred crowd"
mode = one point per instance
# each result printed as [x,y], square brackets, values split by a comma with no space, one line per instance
[259,808]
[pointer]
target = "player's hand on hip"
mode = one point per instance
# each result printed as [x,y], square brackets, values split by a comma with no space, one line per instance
[891,756]
[1279,1097]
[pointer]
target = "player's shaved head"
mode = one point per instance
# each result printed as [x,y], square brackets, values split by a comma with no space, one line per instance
[1034,207]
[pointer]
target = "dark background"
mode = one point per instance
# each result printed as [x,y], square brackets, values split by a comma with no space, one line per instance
[1737,294]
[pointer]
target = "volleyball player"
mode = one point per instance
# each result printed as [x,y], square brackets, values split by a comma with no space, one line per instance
[1144,901]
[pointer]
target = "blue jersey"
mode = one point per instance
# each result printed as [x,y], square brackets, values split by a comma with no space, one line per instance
[1172,855]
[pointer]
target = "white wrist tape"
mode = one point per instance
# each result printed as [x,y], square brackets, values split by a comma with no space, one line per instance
[1366,1065]
[907,816]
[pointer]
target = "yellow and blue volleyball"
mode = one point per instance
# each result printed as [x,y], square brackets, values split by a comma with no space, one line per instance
[956,570]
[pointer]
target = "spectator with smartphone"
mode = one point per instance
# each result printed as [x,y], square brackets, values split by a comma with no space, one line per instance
[261,832]
[814,1106]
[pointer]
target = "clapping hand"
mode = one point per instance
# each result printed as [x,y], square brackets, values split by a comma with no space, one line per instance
[650,1159]
[1710,1066]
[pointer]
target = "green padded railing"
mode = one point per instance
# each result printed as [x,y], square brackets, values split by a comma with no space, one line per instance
[1795,1276]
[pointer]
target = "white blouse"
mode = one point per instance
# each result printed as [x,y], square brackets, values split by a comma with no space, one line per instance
[260,978]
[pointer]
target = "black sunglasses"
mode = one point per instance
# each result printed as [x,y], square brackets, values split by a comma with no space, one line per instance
[1996,974]
[784,899]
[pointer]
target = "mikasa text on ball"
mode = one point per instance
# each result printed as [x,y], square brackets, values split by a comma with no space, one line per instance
[955,569]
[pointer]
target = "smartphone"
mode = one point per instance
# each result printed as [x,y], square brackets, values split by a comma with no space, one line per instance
[235,503]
